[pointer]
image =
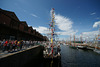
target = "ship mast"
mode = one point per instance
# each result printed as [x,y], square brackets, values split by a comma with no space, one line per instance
[52,25]
[81,38]
[74,40]
[98,37]
[70,39]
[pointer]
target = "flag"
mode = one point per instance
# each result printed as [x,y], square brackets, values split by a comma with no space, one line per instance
[51,40]
[52,30]
[53,9]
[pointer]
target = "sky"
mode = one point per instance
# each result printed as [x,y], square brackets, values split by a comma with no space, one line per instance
[72,17]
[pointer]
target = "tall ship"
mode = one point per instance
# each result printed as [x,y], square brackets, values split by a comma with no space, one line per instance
[51,53]
[97,43]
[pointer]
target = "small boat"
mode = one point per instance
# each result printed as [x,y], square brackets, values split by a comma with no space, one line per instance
[90,48]
[82,47]
[97,51]
[72,45]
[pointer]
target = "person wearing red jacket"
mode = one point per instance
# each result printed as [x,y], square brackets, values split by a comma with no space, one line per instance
[5,45]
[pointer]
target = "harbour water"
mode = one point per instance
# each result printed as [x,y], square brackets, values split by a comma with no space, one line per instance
[79,58]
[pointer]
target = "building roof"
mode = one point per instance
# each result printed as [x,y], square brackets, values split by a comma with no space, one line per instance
[24,22]
[10,14]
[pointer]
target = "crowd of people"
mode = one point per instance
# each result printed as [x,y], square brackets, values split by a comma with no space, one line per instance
[15,45]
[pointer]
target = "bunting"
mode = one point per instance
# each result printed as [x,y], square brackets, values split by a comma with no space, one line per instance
[51,40]
[52,27]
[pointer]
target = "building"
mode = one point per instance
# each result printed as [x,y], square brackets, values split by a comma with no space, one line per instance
[12,28]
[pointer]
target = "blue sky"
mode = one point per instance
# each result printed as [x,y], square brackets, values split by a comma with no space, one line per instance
[73,17]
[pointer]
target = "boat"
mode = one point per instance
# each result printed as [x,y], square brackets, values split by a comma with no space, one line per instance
[73,46]
[97,49]
[97,43]
[90,47]
[81,47]
[51,53]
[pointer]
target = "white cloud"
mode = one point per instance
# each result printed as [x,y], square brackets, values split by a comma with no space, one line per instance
[41,29]
[96,24]
[91,34]
[88,35]
[65,25]
[33,15]
[93,13]
[98,18]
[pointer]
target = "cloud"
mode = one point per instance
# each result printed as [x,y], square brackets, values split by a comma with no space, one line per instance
[97,18]
[92,33]
[65,25]
[88,35]
[96,24]
[33,15]
[93,13]
[41,29]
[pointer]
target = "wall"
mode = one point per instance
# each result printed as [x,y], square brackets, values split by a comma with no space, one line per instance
[26,58]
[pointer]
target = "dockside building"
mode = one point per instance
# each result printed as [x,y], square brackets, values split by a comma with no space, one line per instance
[12,28]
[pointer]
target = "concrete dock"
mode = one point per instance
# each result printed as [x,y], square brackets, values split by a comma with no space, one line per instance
[30,56]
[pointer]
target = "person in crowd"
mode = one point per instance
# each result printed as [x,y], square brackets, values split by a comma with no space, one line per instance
[58,49]
[11,45]
[5,45]
[18,45]
[0,44]
[15,45]
[21,44]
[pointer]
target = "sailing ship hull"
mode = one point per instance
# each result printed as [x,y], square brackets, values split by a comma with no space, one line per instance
[74,47]
[90,48]
[97,51]
[52,62]
[82,47]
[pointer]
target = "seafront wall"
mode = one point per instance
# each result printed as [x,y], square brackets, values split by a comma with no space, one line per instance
[26,58]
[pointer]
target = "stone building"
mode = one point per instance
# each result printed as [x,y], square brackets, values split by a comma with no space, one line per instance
[12,28]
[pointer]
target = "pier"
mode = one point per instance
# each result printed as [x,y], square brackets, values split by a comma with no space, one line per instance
[31,56]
